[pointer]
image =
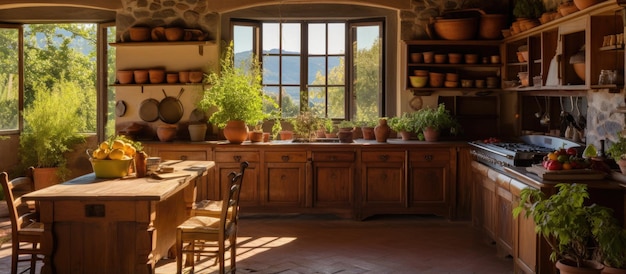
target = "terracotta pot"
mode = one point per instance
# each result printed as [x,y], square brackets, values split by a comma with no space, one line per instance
[195,76]
[331,135]
[174,34]
[124,76]
[382,131]
[583,4]
[139,34]
[158,34]
[157,76]
[266,137]
[431,134]
[417,57]
[491,26]
[436,79]
[236,131]
[256,136]
[166,133]
[45,176]
[141,76]
[456,28]
[579,69]
[286,135]
[183,76]
[345,136]
[368,133]
[172,78]
[405,135]
[590,267]
[611,270]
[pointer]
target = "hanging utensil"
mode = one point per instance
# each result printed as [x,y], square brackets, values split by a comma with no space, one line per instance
[545,119]
[563,112]
[170,108]
[582,120]
[540,112]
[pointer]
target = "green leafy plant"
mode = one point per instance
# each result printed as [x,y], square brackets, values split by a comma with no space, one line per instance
[345,124]
[569,226]
[437,118]
[611,249]
[52,127]
[329,126]
[236,93]
[530,9]
[404,122]
[617,150]
[305,124]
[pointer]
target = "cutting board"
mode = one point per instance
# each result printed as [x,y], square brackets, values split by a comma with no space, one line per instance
[572,174]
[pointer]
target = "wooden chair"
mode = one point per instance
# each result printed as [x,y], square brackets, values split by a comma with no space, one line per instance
[219,234]
[24,225]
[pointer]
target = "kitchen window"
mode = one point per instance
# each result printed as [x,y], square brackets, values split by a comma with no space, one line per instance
[333,68]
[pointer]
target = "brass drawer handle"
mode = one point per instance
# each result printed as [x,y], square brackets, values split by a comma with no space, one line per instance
[237,158]
[285,158]
[384,157]
[428,157]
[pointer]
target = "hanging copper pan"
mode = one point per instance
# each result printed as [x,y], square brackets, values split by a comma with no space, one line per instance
[149,110]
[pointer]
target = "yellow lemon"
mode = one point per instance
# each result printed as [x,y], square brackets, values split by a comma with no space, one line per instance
[117,144]
[104,145]
[101,154]
[129,150]
[116,154]
[126,157]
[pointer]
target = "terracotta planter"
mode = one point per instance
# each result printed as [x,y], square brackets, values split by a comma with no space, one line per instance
[345,136]
[331,135]
[405,135]
[431,134]
[256,136]
[286,135]
[45,176]
[236,131]
[590,267]
[368,133]
[166,133]
[197,132]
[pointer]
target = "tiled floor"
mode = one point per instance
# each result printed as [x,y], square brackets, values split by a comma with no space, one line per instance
[326,244]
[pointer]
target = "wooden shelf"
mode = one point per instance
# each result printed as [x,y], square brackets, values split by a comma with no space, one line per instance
[612,48]
[199,44]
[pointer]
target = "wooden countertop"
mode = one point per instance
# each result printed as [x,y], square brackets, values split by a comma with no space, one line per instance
[129,188]
[531,179]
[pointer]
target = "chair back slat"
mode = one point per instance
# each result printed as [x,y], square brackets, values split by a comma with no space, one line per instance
[231,199]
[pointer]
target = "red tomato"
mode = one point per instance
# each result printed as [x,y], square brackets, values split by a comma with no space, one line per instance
[572,151]
[554,165]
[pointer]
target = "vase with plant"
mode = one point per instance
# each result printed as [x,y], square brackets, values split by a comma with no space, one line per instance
[569,226]
[611,251]
[52,128]
[382,130]
[237,95]
[329,128]
[617,151]
[432,121]
[367,128]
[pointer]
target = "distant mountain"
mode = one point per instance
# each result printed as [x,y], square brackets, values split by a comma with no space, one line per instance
[291,66]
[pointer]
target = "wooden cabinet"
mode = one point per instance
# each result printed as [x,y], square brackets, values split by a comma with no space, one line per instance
[525,239]
[284,178]
[431,187]
[478,70]
[485,199]
[334,179]
[227,161]
[383,183]
[552,45]
[504,216]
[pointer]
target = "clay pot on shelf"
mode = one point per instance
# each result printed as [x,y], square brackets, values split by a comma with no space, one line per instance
[139,34]
[583,4]
[417,57]
[436,79]
[195,76]
[156,76]
[158,34]
[124,76]
[172,78]
[197,132]
[183,76]
[428,57]
[174,34]
[491,26]
[141,76]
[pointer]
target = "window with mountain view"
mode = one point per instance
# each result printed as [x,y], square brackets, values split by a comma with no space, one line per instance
[333,69]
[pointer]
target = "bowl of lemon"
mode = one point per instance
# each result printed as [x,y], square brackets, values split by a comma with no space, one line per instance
[112,159]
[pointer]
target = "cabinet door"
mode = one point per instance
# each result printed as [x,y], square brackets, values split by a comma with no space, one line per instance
[284,179]
[525,238]
[488,201]
[227,162]
[430,185]
[504,217]
[382,179]
[333,179]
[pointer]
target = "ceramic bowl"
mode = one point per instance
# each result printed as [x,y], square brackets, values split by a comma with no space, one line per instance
[139,34]
[174,34]
[420,72]
[418,81]
[166,133]
[471,58]
[455,58]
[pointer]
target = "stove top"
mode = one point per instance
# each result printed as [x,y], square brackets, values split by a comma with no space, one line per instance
[520,148]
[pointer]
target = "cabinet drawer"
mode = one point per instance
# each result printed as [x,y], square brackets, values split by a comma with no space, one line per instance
[183,155]
[236,156]
[382,156]
[347,156]
[429,155]
[285,156]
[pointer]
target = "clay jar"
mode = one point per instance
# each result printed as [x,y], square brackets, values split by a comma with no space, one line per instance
[172,78]
[124,76]
[174,34]
[139,34]
[382,131]
[183,76]
[156,76]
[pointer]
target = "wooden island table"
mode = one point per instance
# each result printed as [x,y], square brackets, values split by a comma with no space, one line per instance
[115,225]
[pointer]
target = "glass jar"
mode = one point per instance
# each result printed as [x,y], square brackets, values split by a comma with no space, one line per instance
[605,77]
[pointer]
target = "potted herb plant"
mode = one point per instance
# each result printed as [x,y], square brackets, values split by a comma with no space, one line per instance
[52,128]
[330,128]
[237,95]
[568,225]
[528,9]
[367,128]
[306,124]
[404,124]
[431,121]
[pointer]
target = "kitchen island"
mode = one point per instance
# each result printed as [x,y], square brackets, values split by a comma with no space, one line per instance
[123,225]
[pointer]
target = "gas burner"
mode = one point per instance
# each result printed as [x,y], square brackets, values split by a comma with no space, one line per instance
[523,147]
